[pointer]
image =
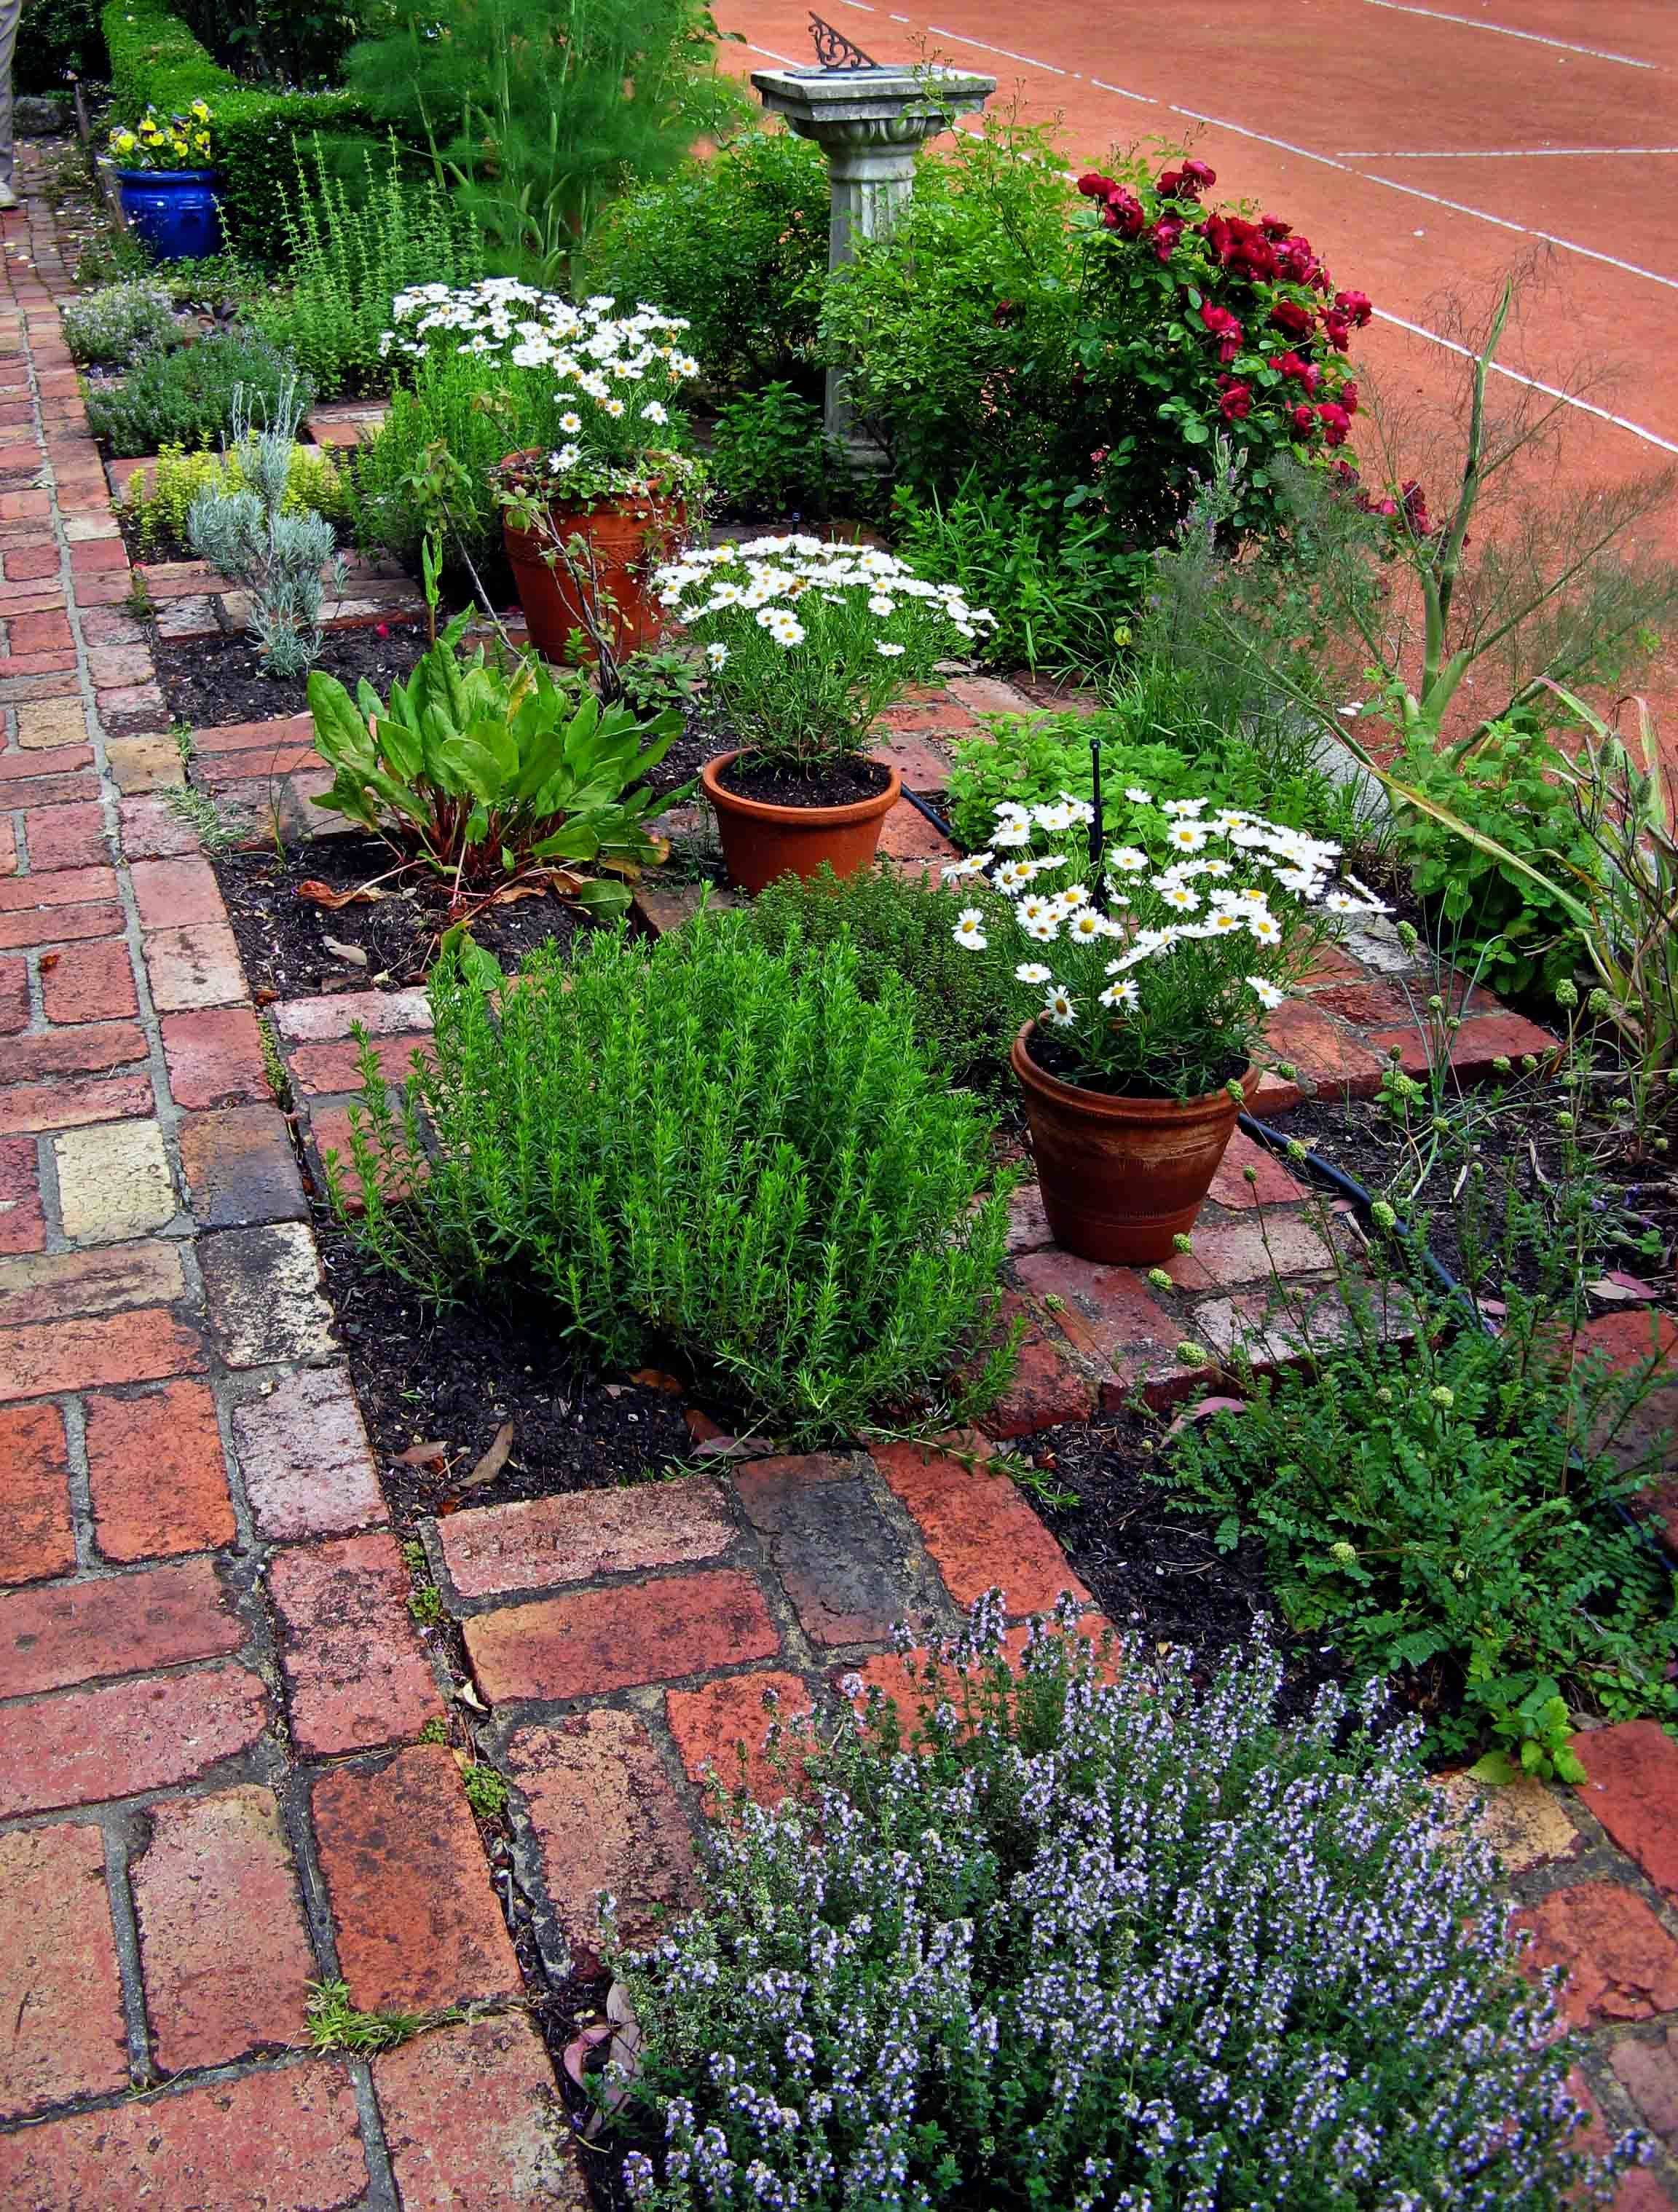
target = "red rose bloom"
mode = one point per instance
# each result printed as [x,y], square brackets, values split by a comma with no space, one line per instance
[1274,228]
[1197,175]
[1288,315]
[1094,185]
[1336,329]
[1124,213]
[1348,398]
[1165,233]
[1237,402]
[1297,263]
[1335,422]
[1225,327]
[1304,372]
[1303,419]
[1356,307]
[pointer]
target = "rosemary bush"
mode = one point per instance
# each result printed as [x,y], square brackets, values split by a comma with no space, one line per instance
[1098,1942]
[185,397]
[120,323]
[700,1148]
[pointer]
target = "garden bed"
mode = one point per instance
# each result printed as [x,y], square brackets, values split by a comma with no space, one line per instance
[209,682]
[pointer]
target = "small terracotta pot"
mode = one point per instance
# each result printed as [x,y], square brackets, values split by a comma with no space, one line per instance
[628,539]
[1120,1178]
[761,840]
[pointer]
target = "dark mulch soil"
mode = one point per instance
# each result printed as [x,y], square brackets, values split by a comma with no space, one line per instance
[282,937]
[1153,1568]
[702,739]
[840,785]
[1525,1157]
[210,681]
[453,1376]
[1047,1052]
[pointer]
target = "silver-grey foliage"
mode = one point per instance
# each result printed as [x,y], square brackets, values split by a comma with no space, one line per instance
[116,325]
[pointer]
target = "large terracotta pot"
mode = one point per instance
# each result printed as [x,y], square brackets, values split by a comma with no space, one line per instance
[761,840]
[628,537]
[1120,1178]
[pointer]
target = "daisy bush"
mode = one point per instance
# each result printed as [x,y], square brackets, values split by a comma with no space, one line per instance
[608,382]
[806,641]
[1083,1938]
[1152,966]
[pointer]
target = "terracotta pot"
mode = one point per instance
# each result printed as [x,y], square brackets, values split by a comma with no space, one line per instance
[1120,1178]
[761,840]
[628,537]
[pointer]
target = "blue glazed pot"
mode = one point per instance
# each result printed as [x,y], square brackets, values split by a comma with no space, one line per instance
[173,210]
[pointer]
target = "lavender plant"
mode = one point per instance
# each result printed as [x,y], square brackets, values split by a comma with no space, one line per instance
[1087,1939]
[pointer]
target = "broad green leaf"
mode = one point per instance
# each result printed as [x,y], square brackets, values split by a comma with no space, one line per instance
[577,839]
[603,898]
[340,734]
[1495,1768]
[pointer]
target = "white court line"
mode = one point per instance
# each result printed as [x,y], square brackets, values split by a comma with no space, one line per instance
[1590,253]
[1146,98]
[769,55]
[1479,153]
[1006,53]
[1533,383]
[1219,122]
[1507,31]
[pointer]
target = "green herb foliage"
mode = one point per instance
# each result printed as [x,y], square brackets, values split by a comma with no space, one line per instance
[1067,1935]
[770,456]
[1446,1505]
[157,501]
[348,255]
[120,323]
[962,1011]
[704,1150]
[486,771]
[187,398]
[737,242]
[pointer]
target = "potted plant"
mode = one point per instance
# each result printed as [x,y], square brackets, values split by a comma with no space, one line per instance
[167,184]
[593,509]
[807,643]
[1148,971]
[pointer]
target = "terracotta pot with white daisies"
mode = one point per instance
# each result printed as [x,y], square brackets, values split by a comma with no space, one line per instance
[1145,973]
[807,643]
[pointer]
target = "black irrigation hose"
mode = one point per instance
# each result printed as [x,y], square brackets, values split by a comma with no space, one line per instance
[923,806]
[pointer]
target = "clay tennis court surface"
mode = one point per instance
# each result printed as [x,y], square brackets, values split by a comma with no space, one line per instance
[1422,148]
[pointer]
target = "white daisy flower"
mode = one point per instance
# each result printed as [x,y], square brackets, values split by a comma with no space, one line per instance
[1186,836]
[1265,992]
[612,407]
[886,650]
[1137,796]
[1015,875]
[1075,895]
[1265,929]
[1224,922]
[1180,897]
[1032,971]
[1033,907]
[653,412]
[969,933]
[879,605]
[1012,834]
[1120,994]
[1044,930]
[717,654]
[1181,807]
[1129,860]
[571,423]
[1058,1007]
[1086,925]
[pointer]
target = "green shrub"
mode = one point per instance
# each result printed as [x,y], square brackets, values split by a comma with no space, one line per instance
[770,456]
[347,260]
[899,929]
[1153,738]
[119,323]
[737,243]
[1074,1937]
[186,398]
[698,1150]
[158,501]
[1504,788]
[539,110]
[485,772]
[1446,1505]
[260,135]
[54,36]
[277,42]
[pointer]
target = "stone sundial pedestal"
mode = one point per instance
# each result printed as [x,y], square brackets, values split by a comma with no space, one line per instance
[870,122]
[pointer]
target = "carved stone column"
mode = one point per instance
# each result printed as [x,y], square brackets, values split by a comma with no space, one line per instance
[870,123]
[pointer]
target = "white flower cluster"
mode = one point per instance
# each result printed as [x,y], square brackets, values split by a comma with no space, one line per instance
[768,577]
[1196,883]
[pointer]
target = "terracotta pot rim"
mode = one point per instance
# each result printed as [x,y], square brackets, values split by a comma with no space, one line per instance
[815,818]
[1108,1105]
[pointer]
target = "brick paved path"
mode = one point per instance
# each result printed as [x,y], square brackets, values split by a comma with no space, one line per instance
[213,1689]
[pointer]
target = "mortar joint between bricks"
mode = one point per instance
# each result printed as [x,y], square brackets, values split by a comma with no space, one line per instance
[123,1830]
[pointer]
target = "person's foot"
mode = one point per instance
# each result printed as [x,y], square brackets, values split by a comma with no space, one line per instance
[8,199]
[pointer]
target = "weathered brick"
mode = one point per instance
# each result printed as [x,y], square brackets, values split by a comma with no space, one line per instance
[472,2122]
[1109,1314]
[277,2141]
[69,1103]
[380,1013]
[215,1057]
[239,1167]
[60,925]
[66,887]
[48,1285]
[1648,2072]
[61,2016]
[182,1503]
[36,1534]
[1631,1786]
[839,1562]
[173,894]
[1482,1039]
[1270,1185]
[596,1641]
[539,1543]
[1524,1820]
[141,1345]
[284,733]
[1267,1330]
[57,1636]
[1228,1254]
[304,1455]
[113,1182]
[196,965]
[1028,1224]
[151,830]
[43,724]
[981,1531]
[13,997]
[65,838]
[605,1817]
[20,768]
[356,1671]
[263,1288]
[88,1048]
[1621,1962]
[1632,1337]
[22,1222]
[84,1745]
[319,1069]
[417,1924]
[223,1944]
[722,1725]
[1046,1387]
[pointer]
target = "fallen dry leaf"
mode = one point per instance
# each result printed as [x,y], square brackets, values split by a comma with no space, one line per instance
[421,1454]
[1204,1411]
[319,894]
[1616,1284]
[654,1378]
[486,1470]
[352,953]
